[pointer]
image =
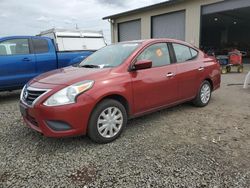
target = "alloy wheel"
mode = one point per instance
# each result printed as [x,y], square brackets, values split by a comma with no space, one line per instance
[205,93]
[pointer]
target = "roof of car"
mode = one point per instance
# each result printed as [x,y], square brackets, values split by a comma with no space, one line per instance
[157,40]
[148,41]
[21,37]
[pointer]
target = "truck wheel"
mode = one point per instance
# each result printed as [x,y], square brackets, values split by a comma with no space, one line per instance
[223,70]
[107,121]
[204,95]
[240,69]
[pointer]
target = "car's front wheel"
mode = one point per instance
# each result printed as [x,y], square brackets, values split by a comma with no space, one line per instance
[107,121]
[204,95]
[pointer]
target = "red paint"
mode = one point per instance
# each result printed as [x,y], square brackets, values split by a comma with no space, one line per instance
[145,90]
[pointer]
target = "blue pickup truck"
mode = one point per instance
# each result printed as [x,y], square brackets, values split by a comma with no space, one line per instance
[24,57]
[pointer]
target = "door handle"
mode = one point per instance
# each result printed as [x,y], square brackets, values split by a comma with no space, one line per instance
[26,59]
[201,69]
[170,74]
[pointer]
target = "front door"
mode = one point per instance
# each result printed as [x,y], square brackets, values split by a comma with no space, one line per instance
[17,63]
[157,86]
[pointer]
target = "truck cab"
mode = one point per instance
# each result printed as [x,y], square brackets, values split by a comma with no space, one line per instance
[25,57]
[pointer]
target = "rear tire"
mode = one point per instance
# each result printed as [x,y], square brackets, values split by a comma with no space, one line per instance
[204,95]
[107,121]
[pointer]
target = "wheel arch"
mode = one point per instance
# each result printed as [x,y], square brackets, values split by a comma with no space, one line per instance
[118,97]
[211,82]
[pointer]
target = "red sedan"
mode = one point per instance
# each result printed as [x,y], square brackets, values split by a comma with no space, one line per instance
[118,82]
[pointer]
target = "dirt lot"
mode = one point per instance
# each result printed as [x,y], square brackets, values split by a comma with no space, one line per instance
[179,147]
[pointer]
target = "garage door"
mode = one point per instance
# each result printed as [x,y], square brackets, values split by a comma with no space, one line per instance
[170,25]
[129,30]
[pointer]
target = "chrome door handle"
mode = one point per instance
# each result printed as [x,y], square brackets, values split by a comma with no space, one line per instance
[170,74]
[201,69]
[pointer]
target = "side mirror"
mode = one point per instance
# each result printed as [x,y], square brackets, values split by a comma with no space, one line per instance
[142,64]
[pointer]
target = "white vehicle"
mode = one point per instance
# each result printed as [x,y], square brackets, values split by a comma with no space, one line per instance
[74,40]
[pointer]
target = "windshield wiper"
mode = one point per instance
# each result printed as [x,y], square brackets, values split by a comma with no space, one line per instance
[90,66]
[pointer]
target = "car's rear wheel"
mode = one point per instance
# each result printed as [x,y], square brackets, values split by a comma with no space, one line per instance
[204,95]
[107,121]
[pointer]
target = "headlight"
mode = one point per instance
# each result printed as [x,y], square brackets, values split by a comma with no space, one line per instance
[68,95]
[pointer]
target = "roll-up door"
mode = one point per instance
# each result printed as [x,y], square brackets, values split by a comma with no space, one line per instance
[129,30]
[171,25]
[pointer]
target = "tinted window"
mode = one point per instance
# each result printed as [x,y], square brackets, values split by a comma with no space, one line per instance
[14,47]
[40,46]
[157,53]
[182,52]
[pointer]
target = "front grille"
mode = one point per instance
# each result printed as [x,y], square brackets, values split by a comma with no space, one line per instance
[32,94]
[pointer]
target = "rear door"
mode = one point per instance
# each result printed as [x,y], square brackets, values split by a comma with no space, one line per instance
[45,54]
[157,86]
[189,70]
[17,63]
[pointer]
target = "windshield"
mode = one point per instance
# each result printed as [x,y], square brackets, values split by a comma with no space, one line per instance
[109,56]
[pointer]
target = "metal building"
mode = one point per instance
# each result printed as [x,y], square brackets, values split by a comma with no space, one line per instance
[215,23]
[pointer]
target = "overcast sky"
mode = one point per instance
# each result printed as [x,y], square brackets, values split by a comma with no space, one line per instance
[29,17]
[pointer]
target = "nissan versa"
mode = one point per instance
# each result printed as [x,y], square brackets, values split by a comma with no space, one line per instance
[116,83]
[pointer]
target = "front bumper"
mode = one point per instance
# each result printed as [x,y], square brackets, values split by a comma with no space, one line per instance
[59,121]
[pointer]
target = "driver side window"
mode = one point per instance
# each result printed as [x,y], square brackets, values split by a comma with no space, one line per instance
[157,53]
[14,47]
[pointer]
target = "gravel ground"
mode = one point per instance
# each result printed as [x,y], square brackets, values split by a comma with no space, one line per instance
[179,147]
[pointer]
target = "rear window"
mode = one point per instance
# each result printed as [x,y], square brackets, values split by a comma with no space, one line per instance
[40,46]
[184,53]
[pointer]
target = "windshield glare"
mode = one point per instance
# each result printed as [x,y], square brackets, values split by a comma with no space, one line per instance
[110,56]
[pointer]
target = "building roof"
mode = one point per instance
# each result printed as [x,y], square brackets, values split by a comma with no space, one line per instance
[169,2]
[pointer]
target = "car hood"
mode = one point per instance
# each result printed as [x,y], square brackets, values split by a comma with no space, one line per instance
[70,75]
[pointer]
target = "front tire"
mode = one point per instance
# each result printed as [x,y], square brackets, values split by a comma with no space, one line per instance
[204,95]
[107,121]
